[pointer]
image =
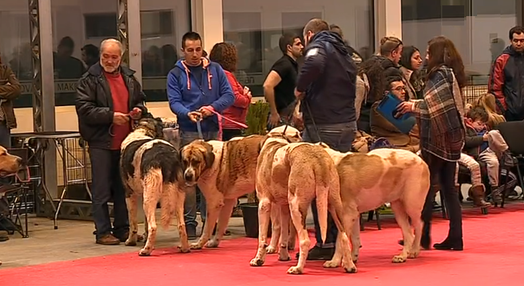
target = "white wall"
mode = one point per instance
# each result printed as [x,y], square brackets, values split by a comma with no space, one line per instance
[471,35]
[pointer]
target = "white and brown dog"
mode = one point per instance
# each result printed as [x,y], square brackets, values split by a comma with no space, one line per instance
[150,166]
[368,181]
[290,176]
[225,171]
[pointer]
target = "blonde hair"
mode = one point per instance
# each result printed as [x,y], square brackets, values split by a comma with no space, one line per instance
[488,102]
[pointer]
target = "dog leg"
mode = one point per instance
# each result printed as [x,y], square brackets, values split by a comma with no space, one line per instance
[214,207]
[132,207]
[264,208]
[223,221]
[152,187]
[179,212]
[275,229]
[292,235]
[284,233]
[355,241]
[402,220]
[345,221]
[417,224]
[298,213]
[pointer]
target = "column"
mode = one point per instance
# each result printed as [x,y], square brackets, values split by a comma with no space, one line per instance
[128,27]
[388,19]
[43,87]
[206,19]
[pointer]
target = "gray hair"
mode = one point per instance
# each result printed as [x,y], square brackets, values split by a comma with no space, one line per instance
[112,41]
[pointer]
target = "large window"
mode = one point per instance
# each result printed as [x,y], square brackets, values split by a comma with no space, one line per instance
[15,47]
[479,28]
[255,27]
[78,29]
[162,25]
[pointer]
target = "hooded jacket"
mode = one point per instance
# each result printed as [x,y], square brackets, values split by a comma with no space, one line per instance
[507,83]
[328,78]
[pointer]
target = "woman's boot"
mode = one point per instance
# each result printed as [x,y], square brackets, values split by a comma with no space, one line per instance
[477,194]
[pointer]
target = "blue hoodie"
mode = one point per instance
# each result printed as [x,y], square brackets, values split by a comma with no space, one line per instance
[185,94]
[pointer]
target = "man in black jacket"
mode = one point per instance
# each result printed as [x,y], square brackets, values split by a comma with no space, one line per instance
[105,97]
[326,86]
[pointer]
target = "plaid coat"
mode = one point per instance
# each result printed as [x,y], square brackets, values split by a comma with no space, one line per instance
[442,130]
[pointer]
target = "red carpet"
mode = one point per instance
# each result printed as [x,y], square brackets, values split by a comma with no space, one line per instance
[493,256]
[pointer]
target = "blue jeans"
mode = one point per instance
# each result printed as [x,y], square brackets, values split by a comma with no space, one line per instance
[338,137]
[190,204]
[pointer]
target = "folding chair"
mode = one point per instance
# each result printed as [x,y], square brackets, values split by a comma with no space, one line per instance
[14,197]
[511,132]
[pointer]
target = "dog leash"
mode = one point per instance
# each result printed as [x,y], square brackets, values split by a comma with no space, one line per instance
[219,117]
[18,176]
[131,114]
[313,122]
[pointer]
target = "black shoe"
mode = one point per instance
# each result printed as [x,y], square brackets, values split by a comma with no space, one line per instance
[318,253]
[191,232]
[4,237]
[448,244]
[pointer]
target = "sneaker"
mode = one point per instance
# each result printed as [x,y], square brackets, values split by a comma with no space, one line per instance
[319,253]
[191,232]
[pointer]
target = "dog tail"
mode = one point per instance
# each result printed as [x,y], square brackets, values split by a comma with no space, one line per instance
[321,193]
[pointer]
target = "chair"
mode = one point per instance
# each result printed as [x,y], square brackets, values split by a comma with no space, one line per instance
[14,197]
[511,132]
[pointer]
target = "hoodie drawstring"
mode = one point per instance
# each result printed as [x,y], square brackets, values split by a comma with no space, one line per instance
[205,65]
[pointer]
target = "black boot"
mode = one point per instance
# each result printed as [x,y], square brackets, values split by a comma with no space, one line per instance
[450,244]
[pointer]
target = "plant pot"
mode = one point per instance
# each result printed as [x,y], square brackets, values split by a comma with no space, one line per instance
[250,216]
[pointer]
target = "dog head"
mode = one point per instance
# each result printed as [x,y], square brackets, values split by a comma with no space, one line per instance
[9,164]
[197,156]
[291,133]
[151,127]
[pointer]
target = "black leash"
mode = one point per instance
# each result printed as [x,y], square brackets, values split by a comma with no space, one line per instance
[312,121]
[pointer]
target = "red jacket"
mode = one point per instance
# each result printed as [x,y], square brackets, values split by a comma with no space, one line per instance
[237,111]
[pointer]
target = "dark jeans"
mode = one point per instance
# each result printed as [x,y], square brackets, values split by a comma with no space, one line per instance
[107,185]
[443,175]
[5,135]
[190,204]
[228,134]
[338,137]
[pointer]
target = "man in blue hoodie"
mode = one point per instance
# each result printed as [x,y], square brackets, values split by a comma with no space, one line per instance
[326,86]
[195,88]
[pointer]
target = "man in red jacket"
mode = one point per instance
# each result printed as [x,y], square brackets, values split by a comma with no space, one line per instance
[506,81]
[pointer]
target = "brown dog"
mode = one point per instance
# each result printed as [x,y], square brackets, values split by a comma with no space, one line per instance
[151,167]
[9,164]
[368,181]
[225,171]
[290,176]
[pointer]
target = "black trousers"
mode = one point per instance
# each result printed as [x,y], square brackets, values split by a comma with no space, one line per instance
[227,134]
[443,175]
[106,186]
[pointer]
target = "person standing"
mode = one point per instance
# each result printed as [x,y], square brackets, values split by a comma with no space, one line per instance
[10,89]
[105,96]
[326,86]
[506,81]
[442,134]
[279,85]
[196,88]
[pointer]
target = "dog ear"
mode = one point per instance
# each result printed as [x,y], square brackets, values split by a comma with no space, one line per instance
[209,156]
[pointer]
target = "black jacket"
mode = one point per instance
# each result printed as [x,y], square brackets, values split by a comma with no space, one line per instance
[328,76]
[94,104]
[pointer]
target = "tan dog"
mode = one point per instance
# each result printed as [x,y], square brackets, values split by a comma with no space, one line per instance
[151,167]
[225,171]
[290,176]
[9,164]
[368,181]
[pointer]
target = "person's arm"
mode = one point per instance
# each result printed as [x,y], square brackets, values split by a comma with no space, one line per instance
[226,98]
[174,96]
[272,80]
[473,141]
[497,79]
[86,107]
[12,88]
[360,93]
[242,100]
[313,67]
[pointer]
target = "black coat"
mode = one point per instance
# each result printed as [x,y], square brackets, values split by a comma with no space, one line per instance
[94,104]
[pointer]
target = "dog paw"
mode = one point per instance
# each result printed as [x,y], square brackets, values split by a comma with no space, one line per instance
[256,262]
[331,264]
[290,247]
[212,244]
[284,257]
[271,250]
[399,259]
[146,251]
[294,270]
[184,249]
[350,269]
[195,245]
[130,242]
[413,254]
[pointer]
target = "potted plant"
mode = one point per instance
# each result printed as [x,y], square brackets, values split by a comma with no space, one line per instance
[257,124]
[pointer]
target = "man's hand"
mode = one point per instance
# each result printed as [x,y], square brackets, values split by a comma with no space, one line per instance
[247,92]
[299,95]
[194,116]
[206,111]
[485,137]
[405,107]
[274,119]
[120,118]
[136,113]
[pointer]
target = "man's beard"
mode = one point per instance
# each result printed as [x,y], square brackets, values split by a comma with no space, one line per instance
[110,69]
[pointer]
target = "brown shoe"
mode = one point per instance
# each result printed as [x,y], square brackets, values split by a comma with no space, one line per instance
[108,239]
[477,194]
[124,237]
